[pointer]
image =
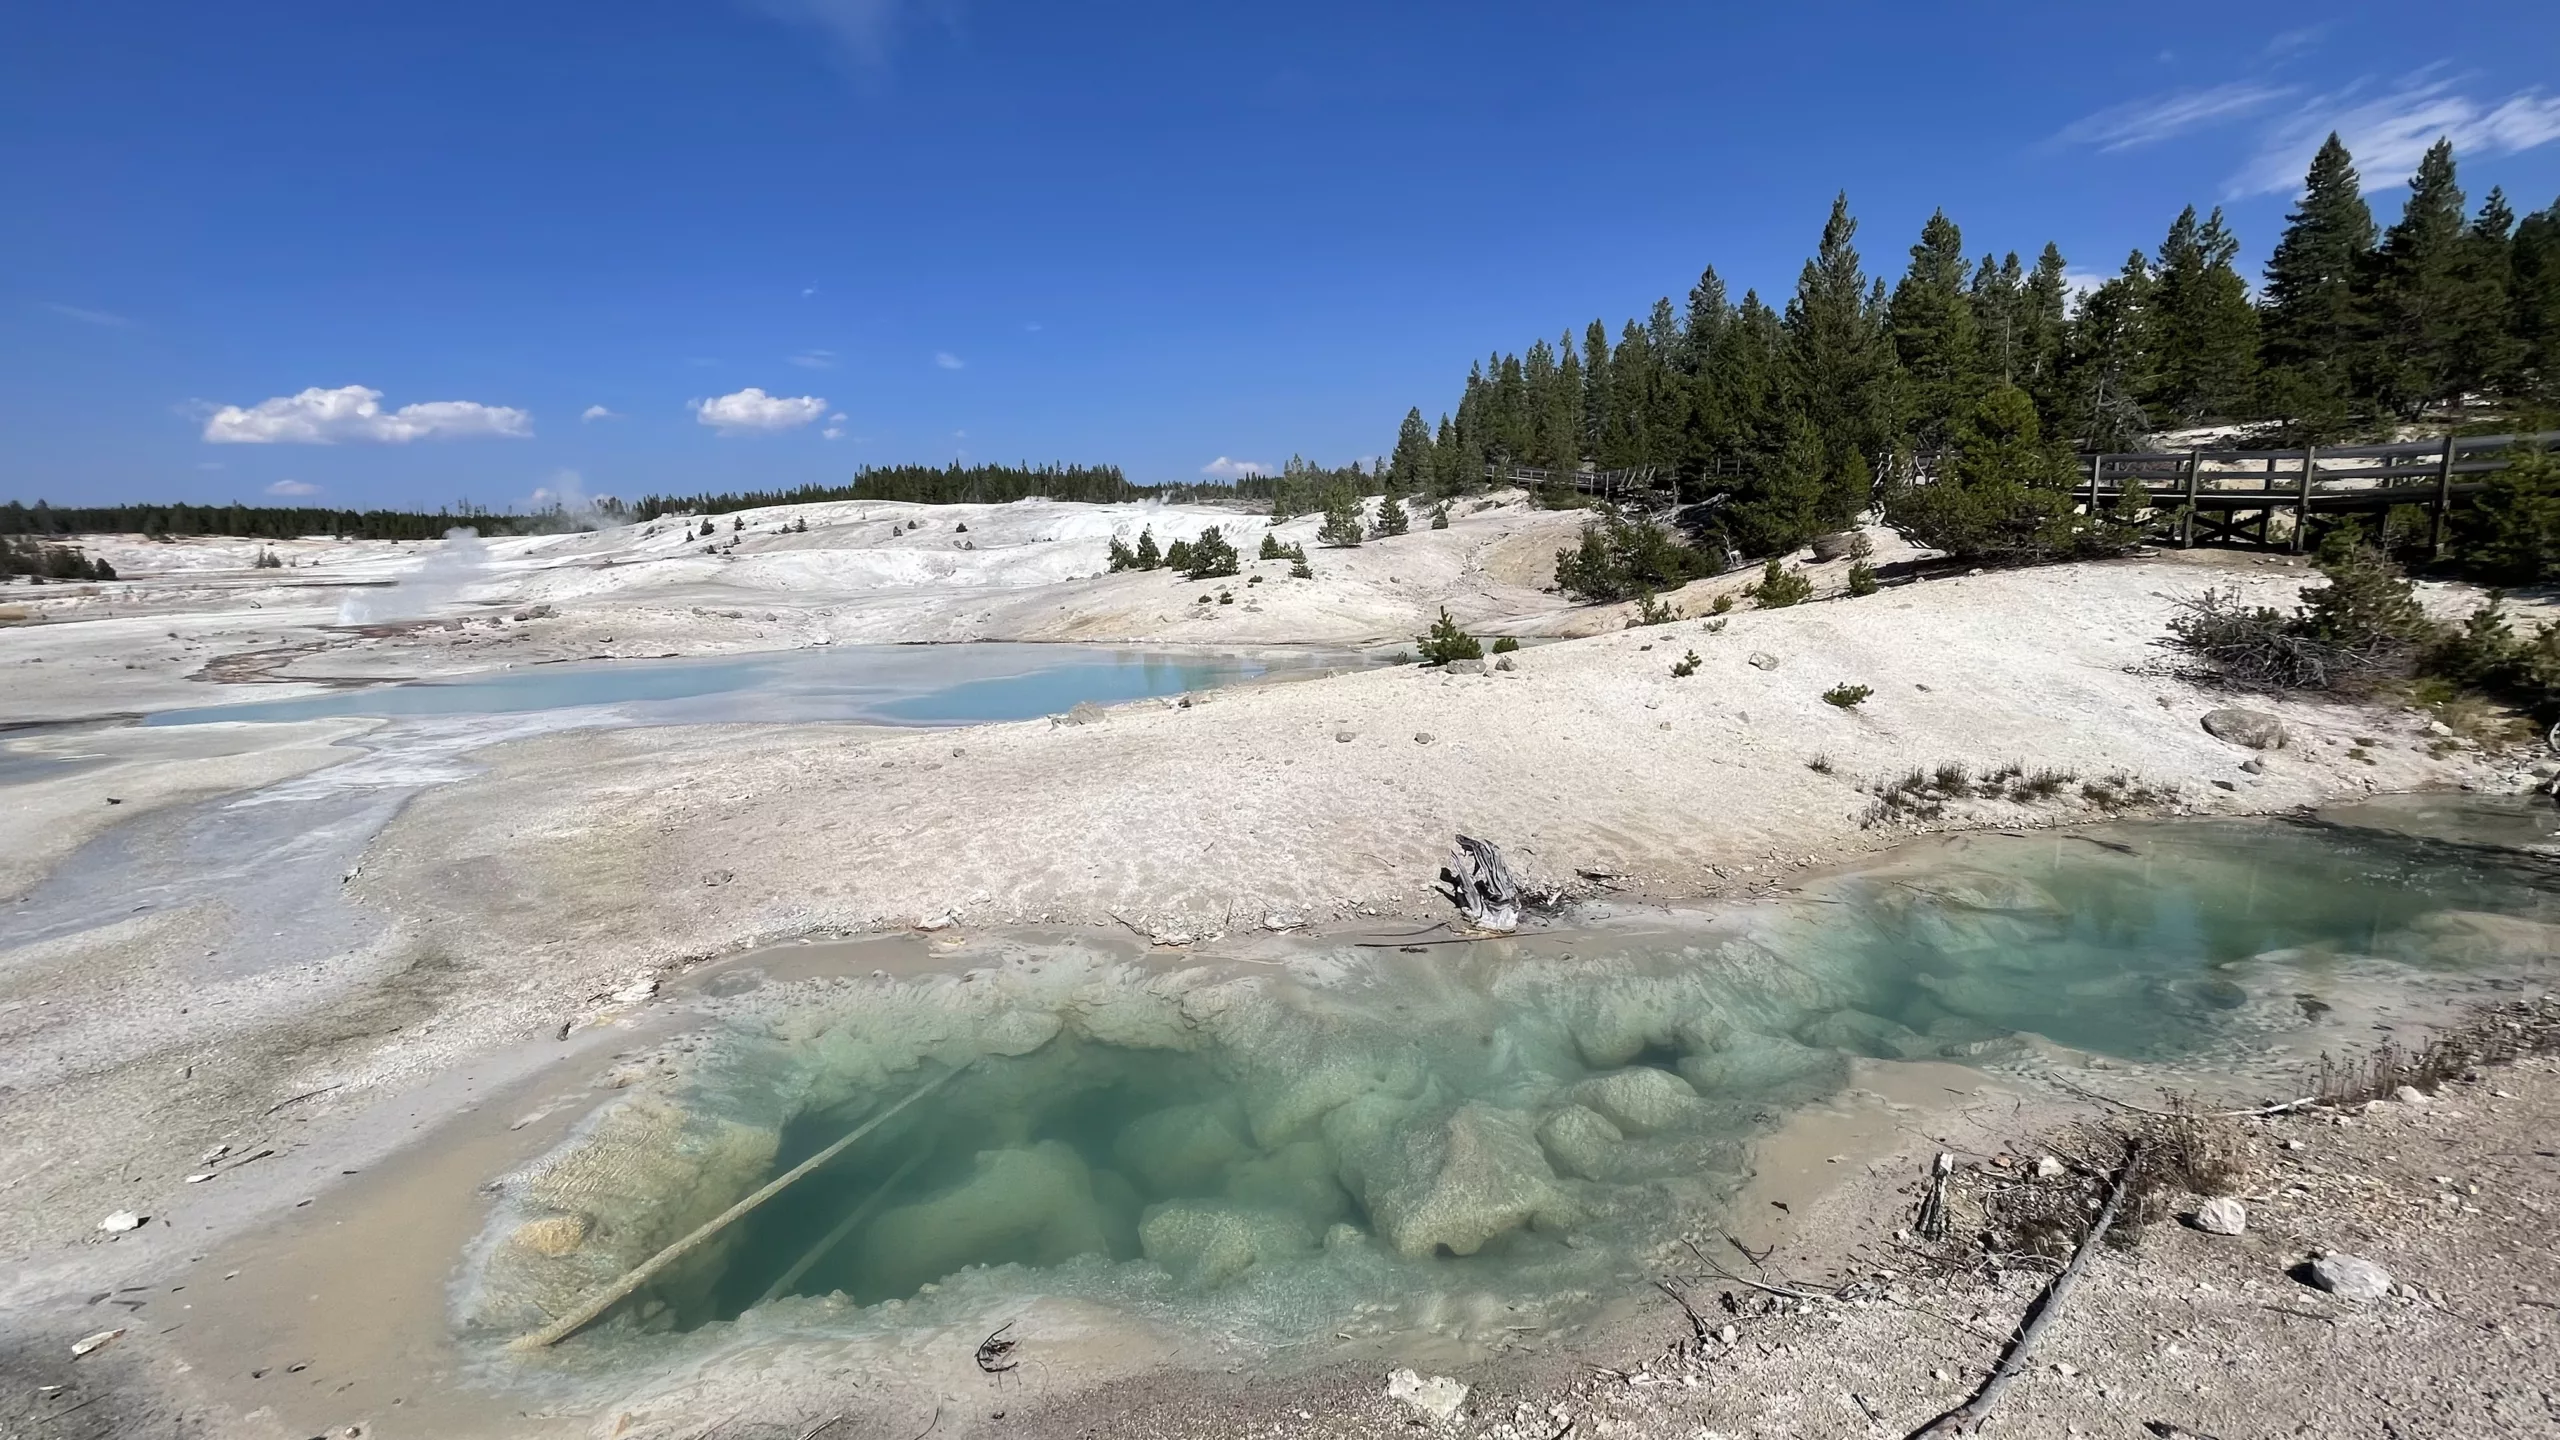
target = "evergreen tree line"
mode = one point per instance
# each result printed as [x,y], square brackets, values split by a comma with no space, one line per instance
[22,555]
[258,522]
[953,484]
[1783,417]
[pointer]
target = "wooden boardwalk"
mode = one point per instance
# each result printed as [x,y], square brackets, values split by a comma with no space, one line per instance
[2272,499]
[2237,496]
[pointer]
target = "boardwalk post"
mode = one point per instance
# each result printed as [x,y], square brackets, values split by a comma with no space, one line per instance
[2444,500]
[2187,526]
[2302,502]
[2097,467]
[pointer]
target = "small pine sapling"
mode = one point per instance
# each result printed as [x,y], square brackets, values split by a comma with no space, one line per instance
[1504,645]
[1447,642]
[1862,578]
[1779,587]
[1685,666]
[1847,696]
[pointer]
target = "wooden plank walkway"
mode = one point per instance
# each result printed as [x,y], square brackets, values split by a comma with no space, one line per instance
[2273,499]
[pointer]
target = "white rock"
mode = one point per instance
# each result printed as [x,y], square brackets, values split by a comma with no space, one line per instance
[2048,1168]
[2349,1278]
[940,920]
[121,1221]
[87,1343]
[1437,1396]
[2221,1216]
[2411,1095]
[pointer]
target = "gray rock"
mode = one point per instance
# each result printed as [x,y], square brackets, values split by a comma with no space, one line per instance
[2225,785]
[1641,1099]
[1437,1396]
[1763,660]
[2349,1278]
[2253,766]
[1579,1142]
[1422,737]
[1466,667]
[1208,1244]
[2254,728]
[2411,1095]
[1503,662]
[1478,1176]
[2222,1216]
[1345,737]
[1084,713]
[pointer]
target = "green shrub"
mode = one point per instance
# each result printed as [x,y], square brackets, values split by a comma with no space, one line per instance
[1212,555]
[1440,516]
[1846,696]
[2485,654]
[1148,557]
[1271,548]
[1650,611]
[1301,570]
[1862,578]
[1620,558]
[2005,495]
[1779,587]
[2511,534]
[1341,528]
[1685,666]
[1447,642]
[1504,645]
[1177,557]
[1392,519]
[1724,602]
[2364,626]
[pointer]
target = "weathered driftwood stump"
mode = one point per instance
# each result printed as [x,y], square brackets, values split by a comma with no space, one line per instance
[1482,885]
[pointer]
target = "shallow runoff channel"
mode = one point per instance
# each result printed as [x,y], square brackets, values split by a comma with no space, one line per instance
[277,852]
[1285,1153]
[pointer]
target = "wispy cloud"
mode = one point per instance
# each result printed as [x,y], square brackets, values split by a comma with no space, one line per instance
[593,413]
[1228,469]
[862,30]
[753,412]
[949,361]
[292,487]
[815,359]
[2295,41]
[2389,132]
[86,316]
[2158,117]
[354,412]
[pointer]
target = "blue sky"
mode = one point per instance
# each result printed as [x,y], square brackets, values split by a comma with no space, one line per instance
[761,242]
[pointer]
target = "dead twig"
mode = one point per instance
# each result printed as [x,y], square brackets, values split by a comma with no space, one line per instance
[995,1353]
[1697,1322]
[1972,1412]
[822,1427]
[2188,1114]
[305,1095]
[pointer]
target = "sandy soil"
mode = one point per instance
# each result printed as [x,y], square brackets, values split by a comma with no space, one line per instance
[558,887]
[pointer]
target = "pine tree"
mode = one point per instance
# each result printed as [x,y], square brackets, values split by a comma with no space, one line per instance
[1998,297]
[1341,527]
[2110,360]
[1410,468]
[2486,350]
[1839,371]
[1600,399]
[2535,303]
[1392,519]
[2204,333]
[1794,497]
[2417,314]
[1148,557]
[2044,324]
[2312,315]
[1622,441]
[1448,472]
[1934,334]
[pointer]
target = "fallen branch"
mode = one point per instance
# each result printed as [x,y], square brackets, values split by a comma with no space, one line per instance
[2278,1109]
[1931,1223]
[1482,886]
[1973,1411]
[578,1319]
[835,1237]
[1697,1322]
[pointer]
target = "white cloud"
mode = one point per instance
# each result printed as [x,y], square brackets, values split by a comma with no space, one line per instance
[594,413]
[2388,133]
[808,290]
[837,417]
[354,412]
[815,359]
[833,432]
[753,412]
[862,29]
[292,487]
[1226,469]
[948,361]
[87,316]
[2289,41]
[2158,117]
